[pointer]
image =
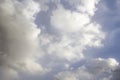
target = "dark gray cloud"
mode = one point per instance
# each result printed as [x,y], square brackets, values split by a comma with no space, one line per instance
[116,74]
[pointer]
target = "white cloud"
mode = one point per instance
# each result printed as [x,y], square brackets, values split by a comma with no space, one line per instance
[68,21]
[19,43]
[71,33]
[95,69]
[88,6]
[29,8]
[44,4]
[84,6]
[75,32]
[60,47]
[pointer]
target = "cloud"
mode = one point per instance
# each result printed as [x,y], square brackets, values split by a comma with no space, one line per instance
[67,20]
[116,74]
[107,17]
[29,8]
[59,45]
[84,6]
[75,32]
[95,69]
[72,33]
[19,42]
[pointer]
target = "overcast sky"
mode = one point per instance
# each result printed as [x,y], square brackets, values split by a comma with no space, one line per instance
[59,39]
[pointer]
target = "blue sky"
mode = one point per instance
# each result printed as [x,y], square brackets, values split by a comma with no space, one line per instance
[109,19]
[59,39]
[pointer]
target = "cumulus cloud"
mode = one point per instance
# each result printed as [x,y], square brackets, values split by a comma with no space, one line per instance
[75,31]
[58,47]
[67,20]
[19,44]
[71,33]
[95,69]
[84,6]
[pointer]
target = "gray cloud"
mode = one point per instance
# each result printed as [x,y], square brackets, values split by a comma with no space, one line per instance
[19,44]
[116,74]
[95,69]
[57,44]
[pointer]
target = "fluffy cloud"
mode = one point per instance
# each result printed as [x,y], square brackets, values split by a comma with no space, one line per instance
[84,6]
[68,21]
[19,44]
[59,46]
[75,32]
[95,69]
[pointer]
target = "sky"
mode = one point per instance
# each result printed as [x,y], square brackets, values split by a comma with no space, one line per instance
[59,39]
